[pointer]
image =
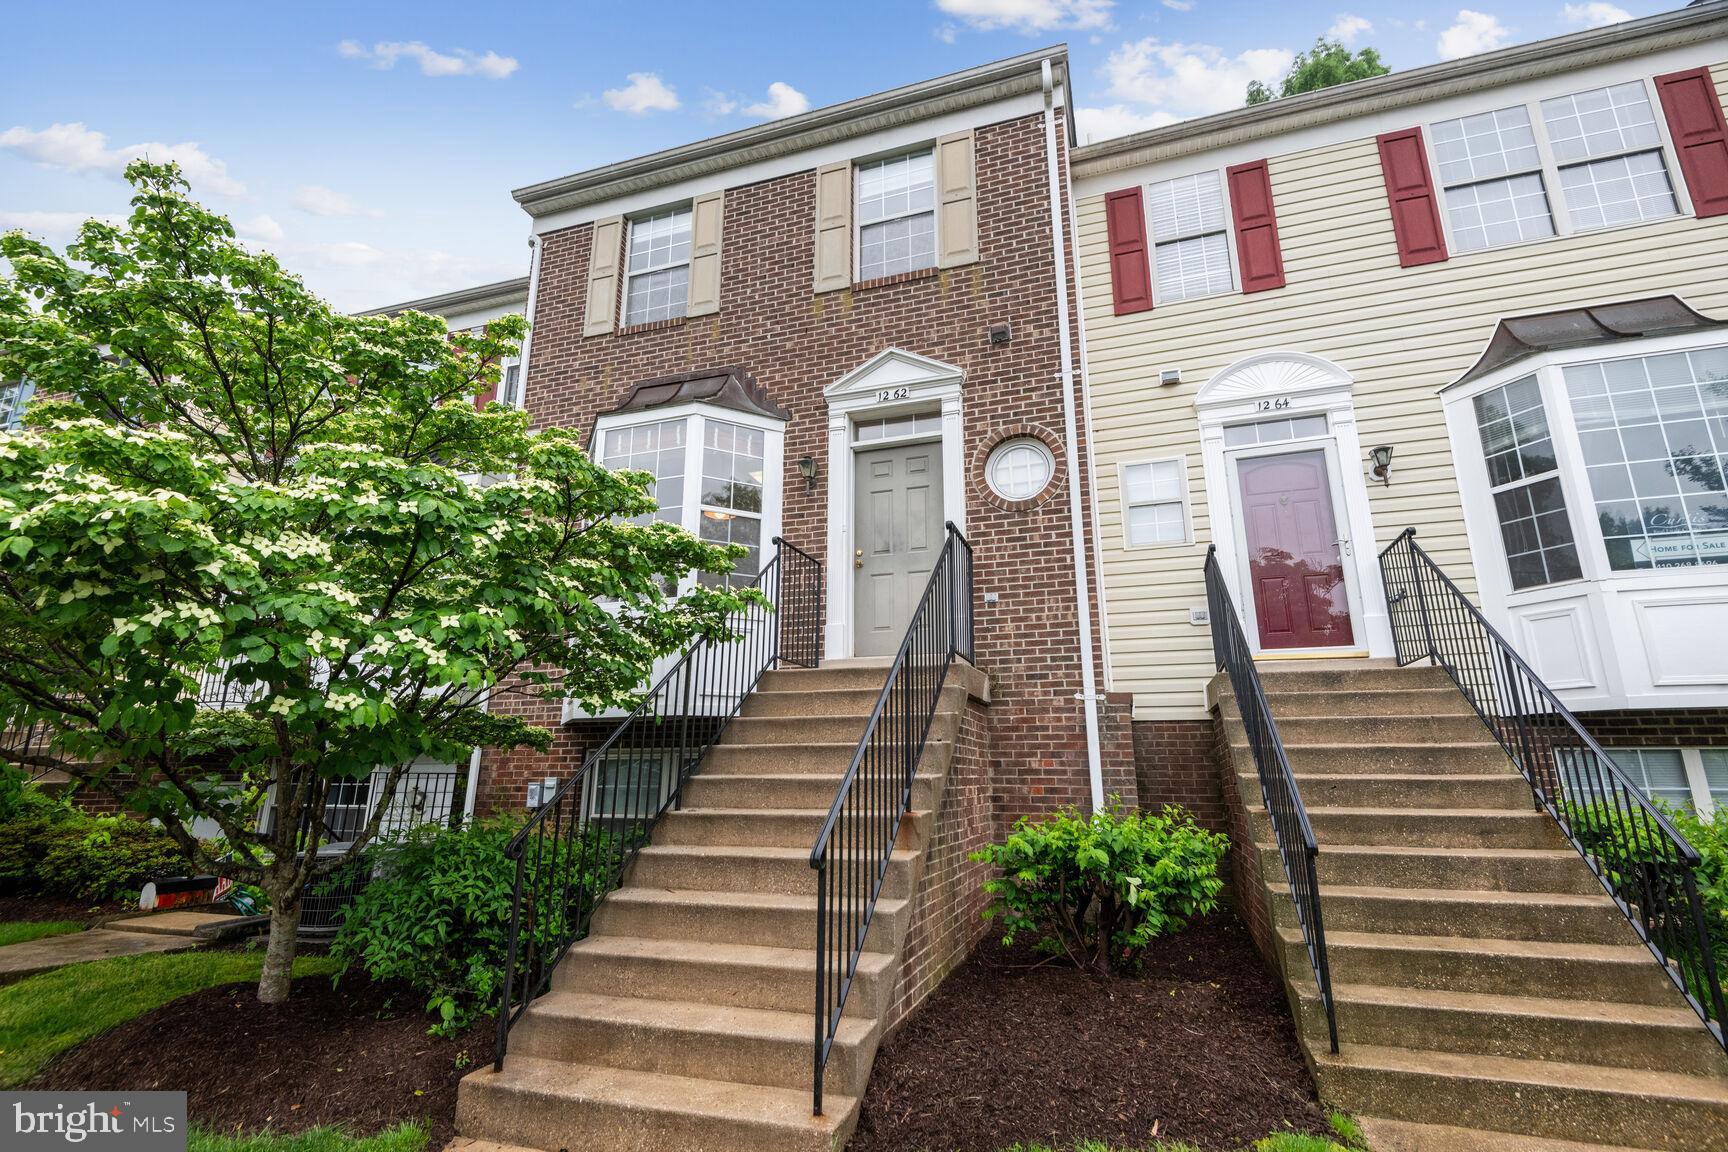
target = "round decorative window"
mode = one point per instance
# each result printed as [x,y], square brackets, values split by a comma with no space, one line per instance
[1019,469]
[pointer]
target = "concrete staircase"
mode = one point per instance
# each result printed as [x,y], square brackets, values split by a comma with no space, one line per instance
[1489,995]
[685,1019]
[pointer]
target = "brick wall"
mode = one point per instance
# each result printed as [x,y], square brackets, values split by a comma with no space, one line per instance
[1175,763]
[1246,878]
[795,343]
[1658,728]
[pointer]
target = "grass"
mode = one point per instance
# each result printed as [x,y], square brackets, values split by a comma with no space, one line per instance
[19,931]
[1347,1137]
[402,1138]
[43,1015]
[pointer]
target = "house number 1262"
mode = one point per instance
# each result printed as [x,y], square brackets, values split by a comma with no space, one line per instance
[887,394]
[1277,405]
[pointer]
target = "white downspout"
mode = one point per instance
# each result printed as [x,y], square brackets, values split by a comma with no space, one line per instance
[473,786]
[534,247]
[1071,452]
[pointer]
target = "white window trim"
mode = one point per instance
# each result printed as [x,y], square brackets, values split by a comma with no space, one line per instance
[504,367]
[1549,170]
[1159,300]
[1183,496]
[630,223]
[995,455]
[858,224]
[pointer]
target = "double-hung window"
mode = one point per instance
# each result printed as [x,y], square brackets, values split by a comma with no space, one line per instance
[1524,477]
[14,397]
[510,384]
[1609,151]
[1492,172]
[1680,777]
[896,214]
[733,467]
[658,284]
[1155,503]
[658,449]
[1190,239]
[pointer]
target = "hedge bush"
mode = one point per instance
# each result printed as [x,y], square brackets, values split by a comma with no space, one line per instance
[1099,888]
[48,847]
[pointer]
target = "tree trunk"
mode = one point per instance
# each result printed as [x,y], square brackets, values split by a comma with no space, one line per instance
[278,971]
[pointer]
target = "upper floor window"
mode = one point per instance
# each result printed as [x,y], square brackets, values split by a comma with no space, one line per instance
[896,214]
[14,398]
[1573,163]
[658,273]
[1523,475]
[1190,241]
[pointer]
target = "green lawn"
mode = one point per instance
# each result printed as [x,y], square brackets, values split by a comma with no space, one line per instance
[18,931]
[404,1138]
[43,1015]
[1347,1138]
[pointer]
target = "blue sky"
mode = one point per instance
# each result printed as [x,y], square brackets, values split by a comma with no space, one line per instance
[373,146]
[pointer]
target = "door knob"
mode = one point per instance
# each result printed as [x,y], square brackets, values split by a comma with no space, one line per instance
[858,558]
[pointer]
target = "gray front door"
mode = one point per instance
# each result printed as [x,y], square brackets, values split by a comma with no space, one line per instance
[897,540]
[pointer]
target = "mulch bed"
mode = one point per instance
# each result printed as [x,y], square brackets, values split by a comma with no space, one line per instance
[36,908]
[356,1056]
[1199,1047]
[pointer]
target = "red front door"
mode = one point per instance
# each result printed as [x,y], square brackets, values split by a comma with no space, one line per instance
[1294,558]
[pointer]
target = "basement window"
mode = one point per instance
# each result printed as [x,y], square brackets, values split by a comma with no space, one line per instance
[1680,777]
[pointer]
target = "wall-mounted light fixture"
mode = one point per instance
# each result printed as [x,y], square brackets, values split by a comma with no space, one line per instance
[1382,457]
[807,469]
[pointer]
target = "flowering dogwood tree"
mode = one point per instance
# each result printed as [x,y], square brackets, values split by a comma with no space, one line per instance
[233,482]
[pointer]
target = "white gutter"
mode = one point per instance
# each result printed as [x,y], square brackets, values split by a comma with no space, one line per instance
[1071,452]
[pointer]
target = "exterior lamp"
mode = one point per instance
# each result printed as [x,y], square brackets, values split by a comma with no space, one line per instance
[1382,457]
[807,469]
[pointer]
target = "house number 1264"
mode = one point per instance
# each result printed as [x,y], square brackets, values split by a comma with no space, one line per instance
[1277,405]
[887,394]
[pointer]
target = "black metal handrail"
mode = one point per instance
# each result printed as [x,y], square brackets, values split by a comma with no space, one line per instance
[577,845]
[856,843]
[1297,847]
[1641,859]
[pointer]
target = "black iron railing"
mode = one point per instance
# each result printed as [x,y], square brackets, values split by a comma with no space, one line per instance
[577,845]
[1284,811]
[856,843]
[1642,860]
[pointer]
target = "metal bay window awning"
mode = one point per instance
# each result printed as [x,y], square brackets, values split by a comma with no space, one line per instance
[1520,337]
[729,387]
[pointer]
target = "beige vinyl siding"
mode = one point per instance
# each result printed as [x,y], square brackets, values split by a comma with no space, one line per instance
[1402,334]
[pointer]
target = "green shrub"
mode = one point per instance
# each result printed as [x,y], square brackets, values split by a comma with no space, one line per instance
[1098,889]
[437,913]
[24,840]
[108,858]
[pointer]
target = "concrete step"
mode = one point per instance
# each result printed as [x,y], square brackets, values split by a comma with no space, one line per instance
[829,761]
[827,678]
[1617,973]
[729,975]
[782,791]
[1546,1099]
[1398,701]
[1406,790]
[1543,916]
[794,730]
[1361,676]
[1482,757]
[724,868]
[552,1105]
[1428,828]
[1653,1038]
[1490,869]
[1402,1136]
[686,1038]
[824,702]
[1298,730]
[765,918]
[743,827]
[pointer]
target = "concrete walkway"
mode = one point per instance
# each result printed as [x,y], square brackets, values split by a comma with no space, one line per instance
[20,960]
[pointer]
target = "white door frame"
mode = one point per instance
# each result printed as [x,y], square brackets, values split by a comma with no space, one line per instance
[1271,386]
[891,383]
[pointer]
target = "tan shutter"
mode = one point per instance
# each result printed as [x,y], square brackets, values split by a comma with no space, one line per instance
[602,311]
[705,218]
[833,226]
[957,187]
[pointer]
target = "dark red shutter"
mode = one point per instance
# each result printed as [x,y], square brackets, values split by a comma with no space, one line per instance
[1700,137]
[1256,226]
[1410,190]
[486,396]
[1130,272]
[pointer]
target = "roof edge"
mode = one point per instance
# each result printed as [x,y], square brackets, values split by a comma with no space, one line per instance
[1430,82]
[968,88]
[479,296]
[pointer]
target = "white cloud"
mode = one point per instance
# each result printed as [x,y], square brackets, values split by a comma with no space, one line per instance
[1179,5]
[644,94]
[1347,28]
[1181,80]
[77,148]
[1595,14]
[1094,124]
[1471,33]
[458,62]
[261,227]
[783,100]
[317,200]
[1029,17]
[56,227]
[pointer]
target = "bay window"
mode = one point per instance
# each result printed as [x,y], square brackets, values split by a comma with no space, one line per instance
[1529,504]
